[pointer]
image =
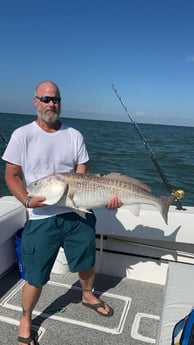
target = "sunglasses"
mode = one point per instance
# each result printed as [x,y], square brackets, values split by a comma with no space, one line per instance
[47,99]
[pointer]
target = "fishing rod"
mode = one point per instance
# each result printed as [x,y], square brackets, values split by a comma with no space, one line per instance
[4,139]
[178,194]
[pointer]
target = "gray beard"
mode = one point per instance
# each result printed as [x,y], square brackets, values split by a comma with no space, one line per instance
[49,118]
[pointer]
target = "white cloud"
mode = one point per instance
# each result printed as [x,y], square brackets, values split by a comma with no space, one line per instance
[87,110]
[139,113]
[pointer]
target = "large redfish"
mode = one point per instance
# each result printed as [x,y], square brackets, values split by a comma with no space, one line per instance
[85,191]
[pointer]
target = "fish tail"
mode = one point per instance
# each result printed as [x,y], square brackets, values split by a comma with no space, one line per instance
[165,202]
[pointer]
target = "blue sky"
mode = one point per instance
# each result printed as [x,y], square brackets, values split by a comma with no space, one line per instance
[144,47]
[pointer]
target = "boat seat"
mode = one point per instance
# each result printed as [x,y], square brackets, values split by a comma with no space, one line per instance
[12,218]
[178,299]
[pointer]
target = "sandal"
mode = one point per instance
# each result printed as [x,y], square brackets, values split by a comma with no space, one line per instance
[28,340]
[98,305]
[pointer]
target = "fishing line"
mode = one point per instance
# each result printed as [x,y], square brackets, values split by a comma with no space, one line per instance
[178,194]
[4,139]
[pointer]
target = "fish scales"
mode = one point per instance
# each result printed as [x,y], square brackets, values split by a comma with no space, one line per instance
[94,191]
[85,191]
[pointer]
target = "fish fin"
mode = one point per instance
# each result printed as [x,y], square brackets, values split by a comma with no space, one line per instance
[134,209]
[70,195]
[166,201]
[113,175]
[79,210]
[128,179]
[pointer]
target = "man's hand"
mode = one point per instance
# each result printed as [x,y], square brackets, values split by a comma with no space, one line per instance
[114,203]
[37,201]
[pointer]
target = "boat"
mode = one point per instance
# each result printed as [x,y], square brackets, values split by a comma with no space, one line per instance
[144,270]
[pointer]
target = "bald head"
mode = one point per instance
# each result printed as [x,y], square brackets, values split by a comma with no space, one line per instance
[47,86]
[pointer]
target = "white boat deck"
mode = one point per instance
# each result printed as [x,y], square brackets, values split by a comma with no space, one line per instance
[133,256]
[59,316]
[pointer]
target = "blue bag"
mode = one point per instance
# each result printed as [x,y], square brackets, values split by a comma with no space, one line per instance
[184,331]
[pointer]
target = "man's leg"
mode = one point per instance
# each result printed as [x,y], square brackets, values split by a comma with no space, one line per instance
[30,296]
[86,279]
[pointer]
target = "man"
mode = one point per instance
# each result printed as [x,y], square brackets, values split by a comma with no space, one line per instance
[38,149]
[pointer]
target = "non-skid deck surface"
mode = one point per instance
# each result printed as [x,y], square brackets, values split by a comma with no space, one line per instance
[60,318]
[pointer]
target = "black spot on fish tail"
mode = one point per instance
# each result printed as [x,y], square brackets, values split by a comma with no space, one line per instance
[166,201]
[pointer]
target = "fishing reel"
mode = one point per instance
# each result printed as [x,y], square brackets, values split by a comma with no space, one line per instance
[178,193]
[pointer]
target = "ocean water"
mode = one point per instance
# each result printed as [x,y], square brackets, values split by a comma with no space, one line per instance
[117,147]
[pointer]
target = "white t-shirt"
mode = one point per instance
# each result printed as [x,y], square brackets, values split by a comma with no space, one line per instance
[40,154]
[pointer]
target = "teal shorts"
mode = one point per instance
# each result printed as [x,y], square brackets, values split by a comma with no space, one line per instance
[42,238]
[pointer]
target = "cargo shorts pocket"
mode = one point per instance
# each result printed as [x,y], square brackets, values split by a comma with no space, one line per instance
[28,257]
